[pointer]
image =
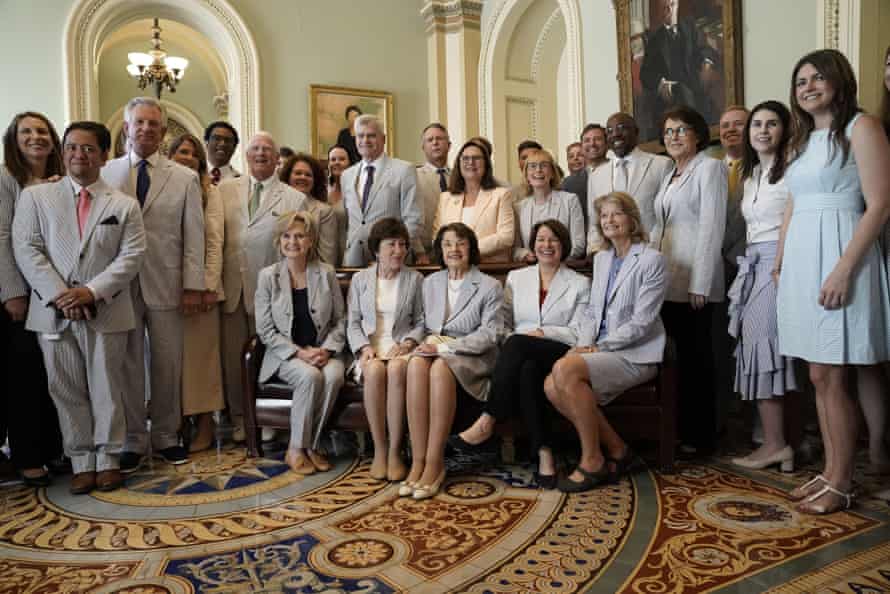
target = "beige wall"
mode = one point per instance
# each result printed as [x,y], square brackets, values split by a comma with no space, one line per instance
[775,33]
[875,37]
[376,45]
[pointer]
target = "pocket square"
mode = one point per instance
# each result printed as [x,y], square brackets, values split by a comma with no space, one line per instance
[112,220]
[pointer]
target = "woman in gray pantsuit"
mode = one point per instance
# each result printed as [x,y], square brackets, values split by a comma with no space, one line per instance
[300,317]
[462,307]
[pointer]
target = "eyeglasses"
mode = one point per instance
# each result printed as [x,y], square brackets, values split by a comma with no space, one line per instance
[537,165]
[679,132]
[468,159]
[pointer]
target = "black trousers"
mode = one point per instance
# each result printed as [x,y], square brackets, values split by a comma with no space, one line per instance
[28,417]
[691,331]
[520,371]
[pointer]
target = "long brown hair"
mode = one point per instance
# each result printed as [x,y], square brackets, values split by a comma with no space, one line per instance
[838,73]
[202,160]
[15,160]
[885,101]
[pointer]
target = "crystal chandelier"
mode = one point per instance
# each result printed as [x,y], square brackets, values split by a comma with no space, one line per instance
[156,68]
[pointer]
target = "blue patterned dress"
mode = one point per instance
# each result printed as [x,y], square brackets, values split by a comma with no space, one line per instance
[828,204]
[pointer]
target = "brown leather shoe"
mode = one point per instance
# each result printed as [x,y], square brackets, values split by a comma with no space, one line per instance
[83,482]
[109,480]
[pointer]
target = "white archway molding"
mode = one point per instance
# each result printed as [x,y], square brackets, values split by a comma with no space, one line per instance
[92,21]
[496,37]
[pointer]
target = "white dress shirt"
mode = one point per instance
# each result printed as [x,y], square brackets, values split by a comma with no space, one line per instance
[267,183]
[763,206]
[134,168]
[363,174]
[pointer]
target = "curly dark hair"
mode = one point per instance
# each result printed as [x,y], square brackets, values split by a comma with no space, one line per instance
[319,187]
[463,232]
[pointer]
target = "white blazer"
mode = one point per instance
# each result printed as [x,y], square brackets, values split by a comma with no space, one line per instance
[250,243]
[633,306]
[648,172]
[690,219]
[562,312]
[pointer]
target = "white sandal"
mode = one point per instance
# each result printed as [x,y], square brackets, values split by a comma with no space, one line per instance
[805,488]
[820,510]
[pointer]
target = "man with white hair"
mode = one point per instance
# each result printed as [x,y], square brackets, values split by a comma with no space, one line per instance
[253,204]
[170,283]
[377,187]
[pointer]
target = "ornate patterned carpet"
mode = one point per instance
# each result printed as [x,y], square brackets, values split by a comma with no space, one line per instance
[225,523]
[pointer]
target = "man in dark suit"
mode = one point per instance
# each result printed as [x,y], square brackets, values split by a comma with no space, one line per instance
[671,73]
[593,144]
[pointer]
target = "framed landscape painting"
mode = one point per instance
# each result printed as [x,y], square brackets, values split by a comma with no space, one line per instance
[678,52]
[333,109]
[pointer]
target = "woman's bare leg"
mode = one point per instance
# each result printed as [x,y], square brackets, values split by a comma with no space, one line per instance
[397,371]
[374,395]
[443,401]
[418,414]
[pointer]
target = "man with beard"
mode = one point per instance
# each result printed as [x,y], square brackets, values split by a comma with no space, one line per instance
[593,145]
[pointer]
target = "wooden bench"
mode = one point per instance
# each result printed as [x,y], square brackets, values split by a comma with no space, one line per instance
[645,412]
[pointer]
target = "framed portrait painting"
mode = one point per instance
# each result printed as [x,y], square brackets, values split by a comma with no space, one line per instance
[333,110]
[678,52]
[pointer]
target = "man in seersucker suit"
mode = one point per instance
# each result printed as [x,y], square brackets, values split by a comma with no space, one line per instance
[377,187]
[80,243]
[170,284]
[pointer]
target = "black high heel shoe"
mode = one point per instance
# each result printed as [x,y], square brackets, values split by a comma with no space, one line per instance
[624,466]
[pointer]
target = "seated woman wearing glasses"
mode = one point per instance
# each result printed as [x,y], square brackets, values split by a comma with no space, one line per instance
[690,220]
[474,199]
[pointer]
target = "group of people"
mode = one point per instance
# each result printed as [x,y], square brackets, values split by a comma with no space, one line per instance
[185,258]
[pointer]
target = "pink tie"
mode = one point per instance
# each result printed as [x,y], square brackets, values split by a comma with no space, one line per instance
[83,209]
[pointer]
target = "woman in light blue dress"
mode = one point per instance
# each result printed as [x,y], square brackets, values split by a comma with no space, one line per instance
[833,301]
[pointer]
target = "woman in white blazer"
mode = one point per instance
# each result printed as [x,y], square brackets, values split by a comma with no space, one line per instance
[202,384]
[304,173]
[385,325]
[300,318]
[543,200]
[543,308]
[690,220]
[475,199]
[462,309]
[621,341]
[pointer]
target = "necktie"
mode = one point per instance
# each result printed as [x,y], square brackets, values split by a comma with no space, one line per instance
[443,181]
[83,209]
[621,175]
[369,181]
[254,202]
[142,182]
[735,168]
[215,175]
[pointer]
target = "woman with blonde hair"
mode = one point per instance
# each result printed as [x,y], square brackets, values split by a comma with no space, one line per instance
[301,318]
[543,200]
[620,343]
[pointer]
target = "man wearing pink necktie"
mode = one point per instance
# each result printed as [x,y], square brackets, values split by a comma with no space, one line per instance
[79,243]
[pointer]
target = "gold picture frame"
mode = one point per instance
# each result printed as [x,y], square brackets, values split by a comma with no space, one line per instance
[327,114]
[709,31]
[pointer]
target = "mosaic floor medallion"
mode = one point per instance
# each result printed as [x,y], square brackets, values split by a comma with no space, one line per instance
[225,523]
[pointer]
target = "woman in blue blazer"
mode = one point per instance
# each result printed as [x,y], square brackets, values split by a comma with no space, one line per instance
[621,340]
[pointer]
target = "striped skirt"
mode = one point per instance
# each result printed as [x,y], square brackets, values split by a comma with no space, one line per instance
[760,371]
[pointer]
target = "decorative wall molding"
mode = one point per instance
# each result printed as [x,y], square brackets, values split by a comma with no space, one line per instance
[451,15]
[541,42]
[90,22]
[830,17]
[495,33]
[532,105]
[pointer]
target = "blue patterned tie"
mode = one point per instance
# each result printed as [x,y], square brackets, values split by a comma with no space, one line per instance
[142,182]
[369,181]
